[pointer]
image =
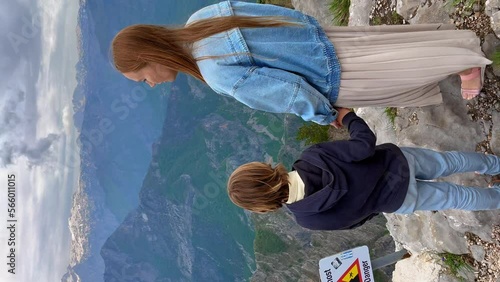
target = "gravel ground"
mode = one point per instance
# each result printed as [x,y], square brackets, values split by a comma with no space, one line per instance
[480,110]
[487,269]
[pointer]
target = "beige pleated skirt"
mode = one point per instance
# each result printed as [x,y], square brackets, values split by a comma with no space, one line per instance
[401,65]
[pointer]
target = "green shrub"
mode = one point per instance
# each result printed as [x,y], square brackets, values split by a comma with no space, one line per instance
[267,242]
[313,133]
[340,11]
[467,3]
[379,275]
[496,57]
[390,19]
[391,113]
[377,20]
[455,263]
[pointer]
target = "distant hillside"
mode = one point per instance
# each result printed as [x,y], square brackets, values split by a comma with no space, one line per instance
[184,213]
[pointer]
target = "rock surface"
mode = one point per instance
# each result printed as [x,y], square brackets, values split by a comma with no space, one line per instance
[359,12]
[428,270]
[492,9]
[407,8]
[318,9]
[490,44]
[432,12]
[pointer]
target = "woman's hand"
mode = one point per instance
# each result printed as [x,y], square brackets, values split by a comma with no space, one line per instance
[341,112]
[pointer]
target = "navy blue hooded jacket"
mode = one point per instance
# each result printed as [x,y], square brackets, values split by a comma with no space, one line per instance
[349,182]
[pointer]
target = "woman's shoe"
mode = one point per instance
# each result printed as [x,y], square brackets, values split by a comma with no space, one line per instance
[471,93]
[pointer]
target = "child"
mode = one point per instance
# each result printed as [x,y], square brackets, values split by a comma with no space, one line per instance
[342,184]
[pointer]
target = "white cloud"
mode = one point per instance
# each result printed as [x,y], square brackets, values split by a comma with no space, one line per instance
[37,140]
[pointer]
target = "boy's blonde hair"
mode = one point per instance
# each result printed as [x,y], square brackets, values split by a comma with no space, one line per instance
[259,187]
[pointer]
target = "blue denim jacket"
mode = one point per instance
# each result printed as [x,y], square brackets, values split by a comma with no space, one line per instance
[291,69]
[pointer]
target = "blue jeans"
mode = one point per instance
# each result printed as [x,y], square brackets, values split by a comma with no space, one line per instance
[427,165]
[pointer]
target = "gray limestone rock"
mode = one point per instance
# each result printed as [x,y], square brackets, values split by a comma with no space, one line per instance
[491,7]
[495,23]
[379,123]
[425,232]
[359,12]
[437,12]
[495,138]
[490,45]
[422,268]
[441,127]
[477,252]
[407,8]
[479,223]
[315,8]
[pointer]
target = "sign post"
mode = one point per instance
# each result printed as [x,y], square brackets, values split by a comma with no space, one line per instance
[354,265]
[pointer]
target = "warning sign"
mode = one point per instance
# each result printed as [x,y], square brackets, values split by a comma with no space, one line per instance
[350,266]
[352,273]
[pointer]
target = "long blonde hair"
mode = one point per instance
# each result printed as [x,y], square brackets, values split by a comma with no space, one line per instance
[137,45]
[259,187]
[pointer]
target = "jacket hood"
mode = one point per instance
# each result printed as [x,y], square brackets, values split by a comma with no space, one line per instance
[334,188]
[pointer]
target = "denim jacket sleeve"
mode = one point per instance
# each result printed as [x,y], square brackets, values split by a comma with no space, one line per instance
[278,91]
[287,69]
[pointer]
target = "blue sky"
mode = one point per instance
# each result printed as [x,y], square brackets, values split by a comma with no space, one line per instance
[38,53]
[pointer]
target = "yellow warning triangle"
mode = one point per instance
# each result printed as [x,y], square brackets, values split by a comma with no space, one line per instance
[352,273]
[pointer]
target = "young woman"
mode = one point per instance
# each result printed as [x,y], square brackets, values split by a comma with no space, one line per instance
[279,60]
